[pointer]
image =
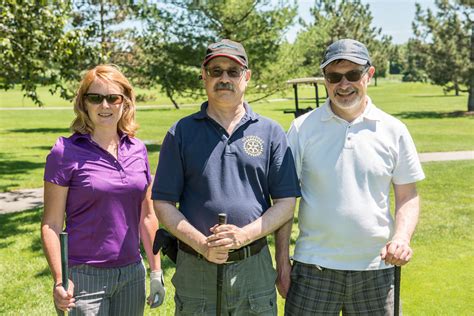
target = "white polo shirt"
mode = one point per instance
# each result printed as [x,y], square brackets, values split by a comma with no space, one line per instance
[345,170]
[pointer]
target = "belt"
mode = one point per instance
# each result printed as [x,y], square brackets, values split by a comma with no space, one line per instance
[234,255]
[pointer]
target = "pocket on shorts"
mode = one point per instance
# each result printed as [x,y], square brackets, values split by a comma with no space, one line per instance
[189,305]
[263,303]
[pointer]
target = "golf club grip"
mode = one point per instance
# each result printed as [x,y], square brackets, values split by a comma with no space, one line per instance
[222,218]
[64,259]
[397,280]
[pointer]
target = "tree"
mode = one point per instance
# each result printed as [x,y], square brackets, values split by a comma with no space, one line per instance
[103,28]
[447,45]
[337,20]
[415,61]
[177,32]
[36,49]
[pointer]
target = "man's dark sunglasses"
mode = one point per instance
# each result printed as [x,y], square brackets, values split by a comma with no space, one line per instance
[352,76]
[96,98]
[231,72]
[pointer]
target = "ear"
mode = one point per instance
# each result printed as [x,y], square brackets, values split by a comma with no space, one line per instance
[248,75]
[203,74]
[371,72]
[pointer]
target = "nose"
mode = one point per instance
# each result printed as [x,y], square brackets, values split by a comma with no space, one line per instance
[225,76]
[105,104]
[344,82]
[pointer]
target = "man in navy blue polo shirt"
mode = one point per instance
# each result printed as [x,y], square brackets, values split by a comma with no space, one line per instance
[226,159]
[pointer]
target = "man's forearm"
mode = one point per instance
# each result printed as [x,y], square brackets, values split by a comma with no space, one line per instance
[407,211]
[282,243]
[277,215]
[406,219]
[177,224]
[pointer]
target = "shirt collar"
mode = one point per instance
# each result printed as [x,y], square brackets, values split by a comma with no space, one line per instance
[249,113]
[78,136]
[369,113]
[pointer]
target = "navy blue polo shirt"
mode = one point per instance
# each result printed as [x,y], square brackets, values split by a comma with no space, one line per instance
[207,171]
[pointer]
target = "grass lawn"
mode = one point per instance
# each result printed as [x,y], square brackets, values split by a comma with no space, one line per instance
[438,281]
[26,136]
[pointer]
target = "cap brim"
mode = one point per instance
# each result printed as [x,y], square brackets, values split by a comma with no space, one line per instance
[234,58]
[356,60]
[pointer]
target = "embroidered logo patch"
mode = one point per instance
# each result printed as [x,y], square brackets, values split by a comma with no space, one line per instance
[253,145]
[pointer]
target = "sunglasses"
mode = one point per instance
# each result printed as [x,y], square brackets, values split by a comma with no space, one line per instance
[96,98]
[352,76]
[231,72]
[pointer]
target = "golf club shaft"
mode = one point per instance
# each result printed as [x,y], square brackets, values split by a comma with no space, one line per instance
[220,273]
[397,280]
[64,261]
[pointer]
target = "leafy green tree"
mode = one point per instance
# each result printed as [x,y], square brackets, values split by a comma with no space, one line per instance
[178,31]
[37,49]
[104,28]
[446,37]
[337,20]
[415,61]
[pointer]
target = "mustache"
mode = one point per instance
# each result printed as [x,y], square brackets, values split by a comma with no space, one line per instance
[224,86]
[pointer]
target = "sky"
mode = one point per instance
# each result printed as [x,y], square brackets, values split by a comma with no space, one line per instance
[393,16]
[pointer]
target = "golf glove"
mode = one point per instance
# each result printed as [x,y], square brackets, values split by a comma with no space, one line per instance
[157,289]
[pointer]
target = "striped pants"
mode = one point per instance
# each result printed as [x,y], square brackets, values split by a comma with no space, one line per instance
[109,291]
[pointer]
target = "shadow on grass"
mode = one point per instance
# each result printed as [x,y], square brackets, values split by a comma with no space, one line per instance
[429,115]
[36,243]
[18,166]
[153,148]
[43,273]
[16,223]
[40,130]
[436,96]
[48,148]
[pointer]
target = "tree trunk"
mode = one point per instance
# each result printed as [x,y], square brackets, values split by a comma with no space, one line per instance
[170,96]
[456,88]
[375,78]
[470,101]
[103,49]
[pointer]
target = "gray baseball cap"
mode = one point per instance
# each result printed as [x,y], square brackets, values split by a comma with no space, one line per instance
[348,49]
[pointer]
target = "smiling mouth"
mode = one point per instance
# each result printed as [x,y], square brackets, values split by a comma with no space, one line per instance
[105,114]
[345,94]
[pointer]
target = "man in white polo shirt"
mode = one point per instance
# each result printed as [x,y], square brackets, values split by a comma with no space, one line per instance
[348,153]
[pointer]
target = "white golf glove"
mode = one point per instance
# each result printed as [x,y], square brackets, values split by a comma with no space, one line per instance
[157,289]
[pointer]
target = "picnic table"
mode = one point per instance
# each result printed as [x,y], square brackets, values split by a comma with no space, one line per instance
[312,81]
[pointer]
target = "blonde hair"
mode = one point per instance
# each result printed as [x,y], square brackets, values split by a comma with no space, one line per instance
[108,73]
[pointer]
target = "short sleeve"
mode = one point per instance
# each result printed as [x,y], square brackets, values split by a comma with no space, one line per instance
[59,168]
[408,168]
[169,178]
[283,181]
[147,165]
[295,148]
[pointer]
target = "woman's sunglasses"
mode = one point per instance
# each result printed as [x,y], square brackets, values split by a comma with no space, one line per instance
[96,98]
[352,76]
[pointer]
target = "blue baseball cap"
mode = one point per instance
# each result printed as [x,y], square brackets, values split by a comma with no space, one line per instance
[347,49]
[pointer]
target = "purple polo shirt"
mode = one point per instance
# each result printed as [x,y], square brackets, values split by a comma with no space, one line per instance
[104,198]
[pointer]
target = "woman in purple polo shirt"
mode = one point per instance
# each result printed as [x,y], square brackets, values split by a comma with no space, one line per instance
[99,180]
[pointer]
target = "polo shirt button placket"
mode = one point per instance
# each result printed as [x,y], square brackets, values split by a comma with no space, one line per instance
[119,168]
[348,141]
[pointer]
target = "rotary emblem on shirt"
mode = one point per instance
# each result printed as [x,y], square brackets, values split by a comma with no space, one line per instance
[253,145]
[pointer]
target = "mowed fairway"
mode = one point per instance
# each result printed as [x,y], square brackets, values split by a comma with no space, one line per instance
[439,280]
